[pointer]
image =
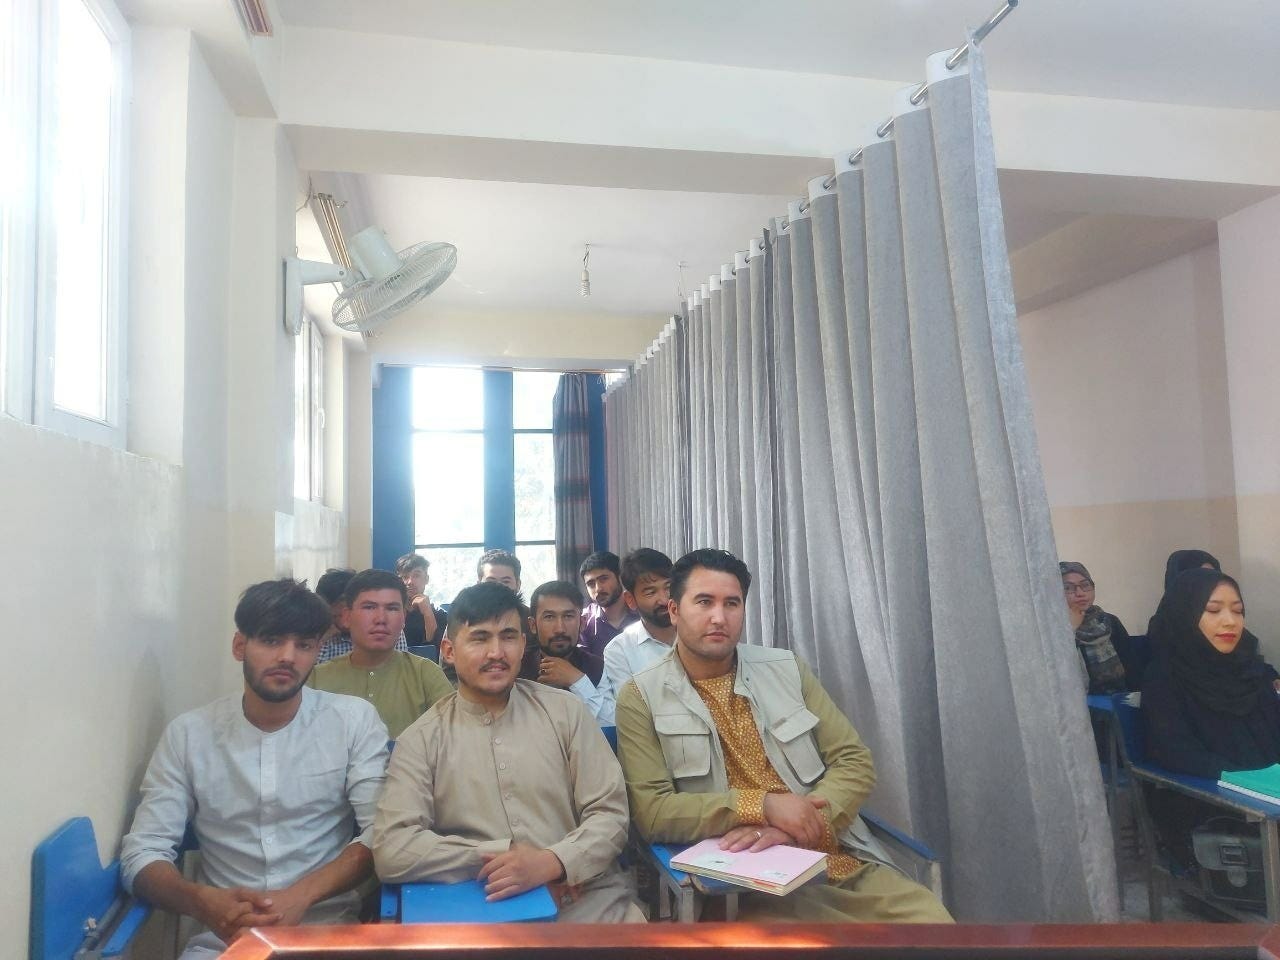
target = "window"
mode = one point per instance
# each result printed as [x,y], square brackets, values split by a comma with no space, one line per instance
[483,472]
[308,413]
[62,263]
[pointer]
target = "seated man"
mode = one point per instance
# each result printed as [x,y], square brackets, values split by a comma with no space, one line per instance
[336,642]
[697,765]
[400,685]
[507,781]
[608,613]
[646,579]
[273,781]
[424,623]
[499,566]
[555,620]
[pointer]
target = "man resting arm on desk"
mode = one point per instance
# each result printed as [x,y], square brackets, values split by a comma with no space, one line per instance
[273,780]
[742,741]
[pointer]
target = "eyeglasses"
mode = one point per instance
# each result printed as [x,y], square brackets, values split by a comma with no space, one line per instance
[1084,586]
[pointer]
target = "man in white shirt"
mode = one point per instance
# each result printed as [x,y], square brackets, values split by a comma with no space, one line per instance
[273,781]
[646,577]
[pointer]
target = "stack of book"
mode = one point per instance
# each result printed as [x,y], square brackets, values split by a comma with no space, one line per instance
[777,870]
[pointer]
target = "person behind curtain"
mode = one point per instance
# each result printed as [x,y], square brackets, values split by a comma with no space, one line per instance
[1111,659]
[730,740]
[1206,704]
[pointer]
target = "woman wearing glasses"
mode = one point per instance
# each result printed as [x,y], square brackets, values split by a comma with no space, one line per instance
[1113,661]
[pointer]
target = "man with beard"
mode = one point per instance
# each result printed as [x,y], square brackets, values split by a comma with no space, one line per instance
[608,614]
[274,782]
[646,579]
[555,619]
[506,781]
[399,685]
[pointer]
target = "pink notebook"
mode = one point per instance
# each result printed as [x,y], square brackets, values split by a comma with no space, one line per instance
[778,870]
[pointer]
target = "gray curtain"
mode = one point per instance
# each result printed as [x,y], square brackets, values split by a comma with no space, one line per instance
[858,429]
[571,449]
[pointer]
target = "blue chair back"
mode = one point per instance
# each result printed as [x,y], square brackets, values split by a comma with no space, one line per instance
[611,734]
[428,651]
[1131,738]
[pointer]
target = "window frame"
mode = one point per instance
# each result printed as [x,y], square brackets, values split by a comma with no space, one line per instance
[29,336]
[309,401]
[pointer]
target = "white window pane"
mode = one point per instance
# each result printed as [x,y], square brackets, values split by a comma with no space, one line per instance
[81,137]
[448,398]
[317,414]
[448,487]
[532,397]
[301,411]
[452,568]
[535,487]
[537,565]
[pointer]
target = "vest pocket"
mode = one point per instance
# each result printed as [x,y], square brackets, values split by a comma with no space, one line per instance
[795,736]
[686,744]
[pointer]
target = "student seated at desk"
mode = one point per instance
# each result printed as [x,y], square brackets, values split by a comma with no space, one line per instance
[273,780]
[507,781]
[698,765]
[554,620]
[1111,660]
[399,685]
[1207,706]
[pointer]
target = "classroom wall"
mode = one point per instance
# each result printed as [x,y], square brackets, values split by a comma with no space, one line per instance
[122,566]
[1129,387]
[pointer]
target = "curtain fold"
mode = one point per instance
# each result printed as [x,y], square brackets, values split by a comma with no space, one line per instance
[845,407]
[571,447]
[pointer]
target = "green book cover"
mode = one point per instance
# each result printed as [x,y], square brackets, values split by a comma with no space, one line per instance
[1265,781]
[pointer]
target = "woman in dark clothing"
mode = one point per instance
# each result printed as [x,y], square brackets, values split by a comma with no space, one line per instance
[1207,705]
[1113,662]
[1207,702]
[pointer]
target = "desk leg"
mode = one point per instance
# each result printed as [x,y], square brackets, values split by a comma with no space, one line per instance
[1271,868]
[731,907]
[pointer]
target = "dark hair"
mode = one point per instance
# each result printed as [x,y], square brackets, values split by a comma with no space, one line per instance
[481,602]
[367,580]
[332,582]
[410,562]
[708,559]
[499,558]
[279,608]
[600,560]
[555,588]
[639,562]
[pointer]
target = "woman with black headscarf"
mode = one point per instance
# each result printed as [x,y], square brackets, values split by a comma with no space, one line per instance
[1207,702]
[1112,662]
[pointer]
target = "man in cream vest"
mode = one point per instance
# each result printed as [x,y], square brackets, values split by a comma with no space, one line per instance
[726,739]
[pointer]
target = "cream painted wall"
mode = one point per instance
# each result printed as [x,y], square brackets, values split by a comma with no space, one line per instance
[123,566]
[1129,386]
[1250,249]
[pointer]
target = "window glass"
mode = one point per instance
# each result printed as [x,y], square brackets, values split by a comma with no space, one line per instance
[80,127]
[535,487]
[533,393]
[452,568]
[537,565]
[448,398]
[448,477]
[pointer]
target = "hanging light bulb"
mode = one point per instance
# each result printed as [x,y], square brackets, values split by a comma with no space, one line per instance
[585,286]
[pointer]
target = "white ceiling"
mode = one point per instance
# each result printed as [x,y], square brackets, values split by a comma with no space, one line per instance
[1223,53]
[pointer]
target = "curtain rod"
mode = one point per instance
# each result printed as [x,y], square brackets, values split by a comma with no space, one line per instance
[922,91]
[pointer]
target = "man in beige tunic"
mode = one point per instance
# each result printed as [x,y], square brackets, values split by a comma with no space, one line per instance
[506,780]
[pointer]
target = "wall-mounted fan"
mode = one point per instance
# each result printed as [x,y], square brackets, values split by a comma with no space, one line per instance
[379,283]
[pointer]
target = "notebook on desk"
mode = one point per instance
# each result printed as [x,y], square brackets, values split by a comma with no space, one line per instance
[777,870]
[465,903]
[1261,784]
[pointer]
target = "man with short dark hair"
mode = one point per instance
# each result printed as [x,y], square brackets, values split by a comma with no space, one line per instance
[424,623]
[555,619]
[332,587]
[507,781]
[608,613]
[722,739]
[499,566]
[646,581]
[273,780]
[400,685]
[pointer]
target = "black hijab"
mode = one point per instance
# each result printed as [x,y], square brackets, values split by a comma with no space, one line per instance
[1181,560]
[1224,682]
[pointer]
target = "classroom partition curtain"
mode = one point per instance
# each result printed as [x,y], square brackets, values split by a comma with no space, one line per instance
[571,448]
[846,408]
